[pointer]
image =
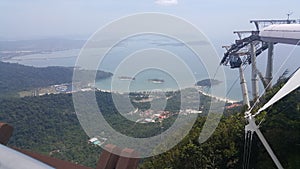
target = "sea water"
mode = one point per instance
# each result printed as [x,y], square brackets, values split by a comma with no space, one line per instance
[116,56]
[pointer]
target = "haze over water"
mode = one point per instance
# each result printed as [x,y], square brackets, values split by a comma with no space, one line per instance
[117,55]
[159,47]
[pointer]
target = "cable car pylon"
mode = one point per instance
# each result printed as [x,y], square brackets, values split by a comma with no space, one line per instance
[244,51]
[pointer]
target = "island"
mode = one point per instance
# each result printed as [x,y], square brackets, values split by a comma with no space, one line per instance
[126,78]
[208,82]
[156,80]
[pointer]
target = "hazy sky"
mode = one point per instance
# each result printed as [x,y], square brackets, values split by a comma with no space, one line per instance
[28,19]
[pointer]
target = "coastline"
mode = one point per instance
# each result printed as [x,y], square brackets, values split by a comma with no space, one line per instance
[227,100]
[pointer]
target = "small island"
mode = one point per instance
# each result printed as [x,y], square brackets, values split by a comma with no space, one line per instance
[126,78]
[208,82]
[157,81]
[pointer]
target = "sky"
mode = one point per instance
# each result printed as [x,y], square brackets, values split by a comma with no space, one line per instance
[34,19]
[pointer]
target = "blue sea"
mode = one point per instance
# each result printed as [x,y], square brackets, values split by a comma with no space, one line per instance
[118,56]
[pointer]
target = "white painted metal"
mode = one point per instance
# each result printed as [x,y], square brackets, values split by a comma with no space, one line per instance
[292,84]
[254,128]
[12,159]
[281,33]
[254,73]
[244,88]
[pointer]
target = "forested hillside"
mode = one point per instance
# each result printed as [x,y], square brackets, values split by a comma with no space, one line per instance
[48,125]
[16,77]
[280,125]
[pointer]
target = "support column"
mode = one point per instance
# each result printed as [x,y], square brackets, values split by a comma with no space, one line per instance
[244,87]
[269,69]
[254,73]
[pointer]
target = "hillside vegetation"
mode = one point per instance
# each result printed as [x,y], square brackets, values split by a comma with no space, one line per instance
[48,125]
[280,125]
[16,77]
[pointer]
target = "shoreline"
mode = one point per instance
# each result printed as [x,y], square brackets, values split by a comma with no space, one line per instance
[227,100]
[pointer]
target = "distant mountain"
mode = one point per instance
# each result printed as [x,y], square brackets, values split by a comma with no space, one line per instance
[16,77]
[41,45]
[10,49]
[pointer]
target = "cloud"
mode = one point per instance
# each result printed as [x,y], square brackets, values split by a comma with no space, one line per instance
[166,2]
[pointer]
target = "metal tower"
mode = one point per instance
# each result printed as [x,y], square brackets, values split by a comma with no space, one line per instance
[244,51]
[246,48]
